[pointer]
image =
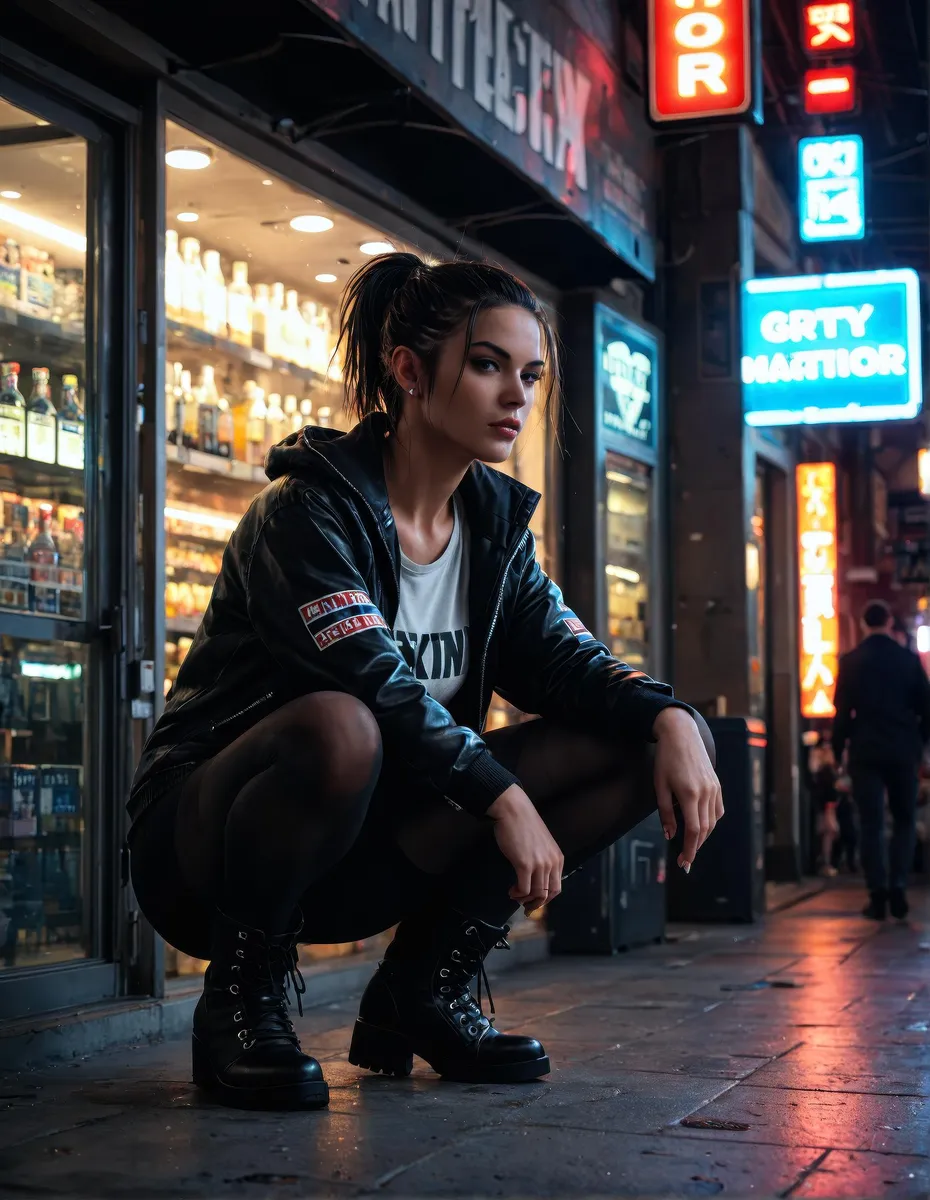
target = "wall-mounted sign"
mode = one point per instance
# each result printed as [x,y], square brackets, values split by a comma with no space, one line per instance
[831,348]
[830,90]
[542,90]
[828,28]
[627,357]
[820,625]
[703,59]
[831,189]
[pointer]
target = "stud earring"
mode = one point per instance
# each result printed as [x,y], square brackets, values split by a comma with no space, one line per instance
[412,390]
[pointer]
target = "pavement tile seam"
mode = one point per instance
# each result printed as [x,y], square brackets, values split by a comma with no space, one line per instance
[805,1173]
[746,1139]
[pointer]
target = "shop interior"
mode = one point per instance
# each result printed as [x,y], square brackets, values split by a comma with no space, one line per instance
[43,344]
[626,560]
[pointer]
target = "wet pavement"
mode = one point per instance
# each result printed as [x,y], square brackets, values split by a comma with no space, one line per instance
[786,1060]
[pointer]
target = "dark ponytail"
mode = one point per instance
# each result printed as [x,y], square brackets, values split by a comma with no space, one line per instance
[400,300]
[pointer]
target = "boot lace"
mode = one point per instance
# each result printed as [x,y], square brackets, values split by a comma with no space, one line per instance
[457,974]
[263,982]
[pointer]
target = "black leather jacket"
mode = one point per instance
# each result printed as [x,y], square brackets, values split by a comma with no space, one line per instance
[306,601]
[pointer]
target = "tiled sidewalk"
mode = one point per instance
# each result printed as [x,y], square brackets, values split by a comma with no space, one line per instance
[821,1088]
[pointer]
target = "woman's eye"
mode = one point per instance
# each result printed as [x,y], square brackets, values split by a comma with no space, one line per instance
[531,378]
[484,364]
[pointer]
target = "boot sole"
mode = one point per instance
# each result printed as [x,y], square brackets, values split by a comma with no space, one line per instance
[387,1052]
[313,1093]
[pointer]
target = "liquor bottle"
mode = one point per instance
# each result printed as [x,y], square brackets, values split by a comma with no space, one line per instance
[291,415]
[306,413]
[215,300]
[255,429]
[294,330]
[225,429]
[41,419]
[241,420]
[239,305]
[260,316]
[174,308]
[14,590]
[42,557]
[189,424]
[174,406]
[323,417]
[208,413]
[193,281]
[12,412]
[317,352]
[275,426]
[274,322]
[70,426]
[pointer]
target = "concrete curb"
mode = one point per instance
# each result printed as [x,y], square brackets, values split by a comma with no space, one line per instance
[80,1032]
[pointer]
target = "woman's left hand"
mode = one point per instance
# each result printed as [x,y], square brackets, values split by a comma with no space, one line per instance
[683,772]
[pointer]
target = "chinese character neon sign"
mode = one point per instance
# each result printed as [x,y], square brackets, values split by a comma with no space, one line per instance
[829,28]
[831,201]
[701,59]
[820,626]
[830,90]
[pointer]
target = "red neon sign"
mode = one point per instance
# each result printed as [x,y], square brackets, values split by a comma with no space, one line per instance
[700,59]
[830,90]
[829,28]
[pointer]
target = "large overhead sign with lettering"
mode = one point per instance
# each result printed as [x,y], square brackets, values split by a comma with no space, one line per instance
[820,623]
[831,189]
[541,90]
[831,348]
[703,59]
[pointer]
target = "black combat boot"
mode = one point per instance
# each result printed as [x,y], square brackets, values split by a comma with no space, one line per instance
[245,1051]
[877,906]
[897,902]
[420,1002]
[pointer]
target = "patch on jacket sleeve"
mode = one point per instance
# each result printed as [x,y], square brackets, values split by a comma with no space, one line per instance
[360,614]
[575,625]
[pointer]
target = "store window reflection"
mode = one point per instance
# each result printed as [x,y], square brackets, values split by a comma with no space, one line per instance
[43,249]
[626,561]
[43,879]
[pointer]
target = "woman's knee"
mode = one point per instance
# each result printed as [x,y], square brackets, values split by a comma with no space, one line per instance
[334,736]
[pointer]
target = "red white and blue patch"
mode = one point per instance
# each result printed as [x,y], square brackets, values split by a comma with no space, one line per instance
[575,625]
[360,614]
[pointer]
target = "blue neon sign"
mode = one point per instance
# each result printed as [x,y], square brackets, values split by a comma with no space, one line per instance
[831,189]
[831,348]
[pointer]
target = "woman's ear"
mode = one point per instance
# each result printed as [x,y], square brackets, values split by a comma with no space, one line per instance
[407,370]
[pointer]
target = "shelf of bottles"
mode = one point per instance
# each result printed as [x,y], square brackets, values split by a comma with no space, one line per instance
[42,441]
[628,525]
[246,366]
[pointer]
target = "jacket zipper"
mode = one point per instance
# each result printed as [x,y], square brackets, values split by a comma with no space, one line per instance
[384,540]
[482,717]
[241,713]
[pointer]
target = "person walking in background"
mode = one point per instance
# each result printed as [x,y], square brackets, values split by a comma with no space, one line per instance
[845,848]
[883,713]
[823,790]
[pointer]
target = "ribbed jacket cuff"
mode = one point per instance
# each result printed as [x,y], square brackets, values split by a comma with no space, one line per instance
[484,780]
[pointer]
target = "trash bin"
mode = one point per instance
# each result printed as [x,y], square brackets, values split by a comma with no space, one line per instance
[615,901]
[727,879]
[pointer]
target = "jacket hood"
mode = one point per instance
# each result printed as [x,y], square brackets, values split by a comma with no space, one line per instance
[494,503]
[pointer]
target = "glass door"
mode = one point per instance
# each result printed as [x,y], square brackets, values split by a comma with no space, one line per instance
[54,669]
[627,559]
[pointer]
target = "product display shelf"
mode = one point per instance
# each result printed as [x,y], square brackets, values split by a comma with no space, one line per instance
[199,339]
[50,333]
[183,626]
[40,473]
[215,464]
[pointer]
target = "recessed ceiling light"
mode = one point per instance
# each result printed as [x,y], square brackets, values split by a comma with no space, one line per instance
[267,182]
[10,194]
[46,229]
[188,217]
[312,223]
[189,158]
[376,248]
[325,278]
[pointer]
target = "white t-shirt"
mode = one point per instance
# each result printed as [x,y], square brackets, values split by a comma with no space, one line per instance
[431,630]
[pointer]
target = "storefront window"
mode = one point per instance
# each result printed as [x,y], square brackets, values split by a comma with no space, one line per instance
[755,589]
[626,560]
[44,909]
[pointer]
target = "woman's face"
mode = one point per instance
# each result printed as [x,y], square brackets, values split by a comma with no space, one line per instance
[482,412]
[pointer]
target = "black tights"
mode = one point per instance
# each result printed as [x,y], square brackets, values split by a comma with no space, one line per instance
[298,811]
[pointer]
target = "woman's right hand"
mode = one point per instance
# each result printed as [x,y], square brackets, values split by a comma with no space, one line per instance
[529,847]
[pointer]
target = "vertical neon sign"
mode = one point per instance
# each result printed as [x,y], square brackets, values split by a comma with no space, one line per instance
[820,626]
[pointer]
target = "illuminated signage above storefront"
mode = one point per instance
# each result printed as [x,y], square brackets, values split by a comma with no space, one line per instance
[701,59]
[831,348]
[828,28]
[627,364]
[540,89]
[830,90]
[831,191]
[820,625]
